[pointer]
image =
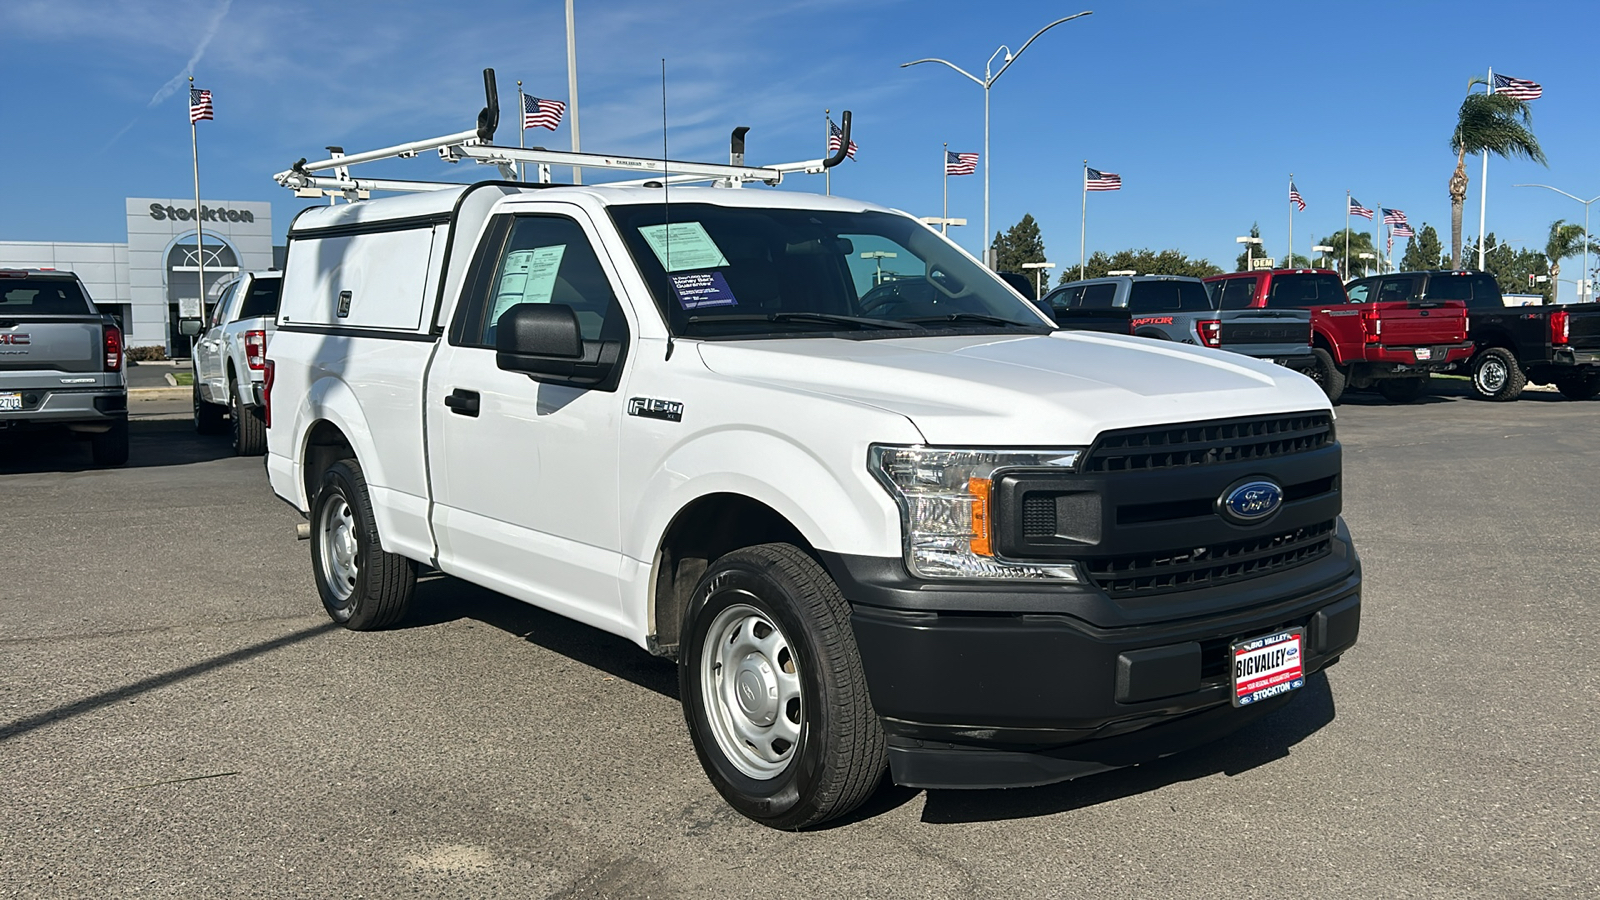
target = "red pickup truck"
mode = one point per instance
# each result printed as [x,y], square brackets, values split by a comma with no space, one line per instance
[1393,346]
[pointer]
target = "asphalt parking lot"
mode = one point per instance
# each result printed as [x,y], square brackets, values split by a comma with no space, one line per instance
[178,718]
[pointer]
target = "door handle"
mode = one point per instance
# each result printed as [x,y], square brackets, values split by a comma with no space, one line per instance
[463,402]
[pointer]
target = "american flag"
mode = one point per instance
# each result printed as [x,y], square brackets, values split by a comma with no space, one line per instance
[1519,88]
[1394,217]
[834,137]
[1391,243]
[538,113]
[1096,180]
[1404,230]
[1295,198]
[199,105]
[1356,209]
[960,163]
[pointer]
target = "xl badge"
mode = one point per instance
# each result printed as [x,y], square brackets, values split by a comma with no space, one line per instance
[1250,502]
[667,410]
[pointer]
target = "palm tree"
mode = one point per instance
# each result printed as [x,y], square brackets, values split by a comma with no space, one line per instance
[1565,242]
[1487,123]
[1360,242]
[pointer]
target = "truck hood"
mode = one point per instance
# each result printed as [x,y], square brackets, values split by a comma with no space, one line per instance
[1060,389]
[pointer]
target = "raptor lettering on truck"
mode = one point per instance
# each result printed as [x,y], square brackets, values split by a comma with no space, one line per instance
[1151,320]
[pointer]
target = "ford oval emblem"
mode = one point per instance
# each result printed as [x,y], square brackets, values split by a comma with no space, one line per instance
[1251,501]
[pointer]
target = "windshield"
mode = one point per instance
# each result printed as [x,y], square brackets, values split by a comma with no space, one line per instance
[42,297]
[262,301]
[1477,290]
[1303,290]
[1167,296]
[720,271]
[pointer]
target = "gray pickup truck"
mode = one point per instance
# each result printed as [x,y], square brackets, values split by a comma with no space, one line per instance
[60,363]
[1178,308]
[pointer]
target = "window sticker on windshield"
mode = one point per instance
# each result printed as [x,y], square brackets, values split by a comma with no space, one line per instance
[698,290]
[527,276]
[682,246]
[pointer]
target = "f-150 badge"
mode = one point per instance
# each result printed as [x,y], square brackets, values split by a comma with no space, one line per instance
[650,408]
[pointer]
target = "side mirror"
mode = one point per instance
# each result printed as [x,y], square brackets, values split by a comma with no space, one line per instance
[189,327]
[542,341]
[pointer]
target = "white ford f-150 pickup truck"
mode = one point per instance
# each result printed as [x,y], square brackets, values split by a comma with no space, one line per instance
[230,359]
[928,533]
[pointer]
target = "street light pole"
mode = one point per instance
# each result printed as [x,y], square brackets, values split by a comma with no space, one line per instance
[1038,272]
[1248,242]
[987,82]
[1584,281]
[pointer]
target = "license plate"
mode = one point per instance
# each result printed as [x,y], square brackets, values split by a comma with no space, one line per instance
[10,400]
[1424,353]
[1268,666]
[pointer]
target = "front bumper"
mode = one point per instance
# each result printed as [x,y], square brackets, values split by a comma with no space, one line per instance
[1013,695]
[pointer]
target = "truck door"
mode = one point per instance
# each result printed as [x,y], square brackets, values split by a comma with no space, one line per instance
[208,349]
[524,473]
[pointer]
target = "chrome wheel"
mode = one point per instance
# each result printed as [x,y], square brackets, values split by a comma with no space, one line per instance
[1492,375]
[339,547]
[751,687]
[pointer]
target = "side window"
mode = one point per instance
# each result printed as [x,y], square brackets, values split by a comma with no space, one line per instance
[1358,292]
[219,312]
[1238,292]
[1394,289]
[543,259]
[1098,296]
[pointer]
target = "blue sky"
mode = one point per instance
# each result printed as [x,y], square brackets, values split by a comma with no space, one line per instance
[1203,108]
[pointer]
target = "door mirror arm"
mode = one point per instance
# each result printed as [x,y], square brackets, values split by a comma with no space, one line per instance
[542,341]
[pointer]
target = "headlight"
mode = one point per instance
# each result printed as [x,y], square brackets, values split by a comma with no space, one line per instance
[944,498]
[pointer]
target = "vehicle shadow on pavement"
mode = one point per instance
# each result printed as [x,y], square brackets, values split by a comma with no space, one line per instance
[150,444]
[1263,741]
[441,598]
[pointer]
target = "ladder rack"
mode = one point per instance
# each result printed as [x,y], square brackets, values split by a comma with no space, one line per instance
[478,145]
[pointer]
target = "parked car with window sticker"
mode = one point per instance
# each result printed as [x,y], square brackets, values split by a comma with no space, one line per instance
[882,513]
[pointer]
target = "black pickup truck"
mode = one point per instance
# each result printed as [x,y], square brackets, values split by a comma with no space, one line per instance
[1512,345]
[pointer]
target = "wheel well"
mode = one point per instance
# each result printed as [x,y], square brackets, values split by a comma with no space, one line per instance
[325,445]
[703,531]
[1318,340]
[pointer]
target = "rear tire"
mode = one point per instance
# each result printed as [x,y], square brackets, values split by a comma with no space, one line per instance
[1578,386]
[774,691]
[362,587]
[207,416]
[110,448]
[1327,374]
[249,431]
[1496,375]
[1404,390]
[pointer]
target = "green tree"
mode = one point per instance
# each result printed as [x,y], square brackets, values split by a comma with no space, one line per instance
[1242,262]
[1511,267]
[1423,252]
[1486,123]
[1143,261]
[1020,244]
[1566,241]
[1360,242]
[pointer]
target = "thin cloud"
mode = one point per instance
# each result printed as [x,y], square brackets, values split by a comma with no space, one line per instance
[199,51]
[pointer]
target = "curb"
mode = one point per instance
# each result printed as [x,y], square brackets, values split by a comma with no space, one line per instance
[160,393]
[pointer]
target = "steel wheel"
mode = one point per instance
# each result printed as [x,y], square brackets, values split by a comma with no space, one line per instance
[751,687]
[1492,375]
[339,548]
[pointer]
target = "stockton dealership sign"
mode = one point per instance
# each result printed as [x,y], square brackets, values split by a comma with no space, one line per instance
[207,213]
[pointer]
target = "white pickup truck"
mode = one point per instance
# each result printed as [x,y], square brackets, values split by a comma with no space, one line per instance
[933,534]
[230,360]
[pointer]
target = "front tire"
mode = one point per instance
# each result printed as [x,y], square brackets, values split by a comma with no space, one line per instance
[362,587]
[1326,373]
[774,692]
[249,431]
[1496,375]
[1404,390]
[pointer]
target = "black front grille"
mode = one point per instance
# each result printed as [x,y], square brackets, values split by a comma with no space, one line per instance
[1209,443]
[1295,333]
[1195,568]
[1039,516]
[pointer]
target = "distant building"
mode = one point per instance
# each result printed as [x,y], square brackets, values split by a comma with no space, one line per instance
[142,282]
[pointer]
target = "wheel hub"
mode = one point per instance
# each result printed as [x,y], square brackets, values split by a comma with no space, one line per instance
[750,690]
[1492,376]
[340,548]
[756,689]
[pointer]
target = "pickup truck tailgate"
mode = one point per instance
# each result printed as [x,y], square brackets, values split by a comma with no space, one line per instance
[38,352]
[1416,324]
[1583,327]
[1244,328]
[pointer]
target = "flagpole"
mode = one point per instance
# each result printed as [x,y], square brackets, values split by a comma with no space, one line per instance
[1347,235]
[1483,185]
[522,130]
[944,160]
[572,88]
[199,223]
[827,174]
[1083,221]
[1289,263]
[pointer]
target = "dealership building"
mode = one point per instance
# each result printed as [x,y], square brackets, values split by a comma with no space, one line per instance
[153,277]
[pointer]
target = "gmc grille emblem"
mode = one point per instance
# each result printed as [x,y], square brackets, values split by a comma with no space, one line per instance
[14,339]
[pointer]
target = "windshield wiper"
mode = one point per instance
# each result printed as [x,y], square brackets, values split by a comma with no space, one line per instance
[975,317]
[807,318]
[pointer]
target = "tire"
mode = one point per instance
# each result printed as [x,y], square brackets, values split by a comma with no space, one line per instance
[1579,387]
[1404,390]
[110,448]
[812,749]
[362,587]
[1327,374]
[207,415]
[1496,375]
[249,431]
